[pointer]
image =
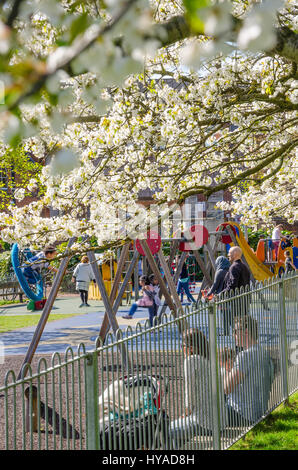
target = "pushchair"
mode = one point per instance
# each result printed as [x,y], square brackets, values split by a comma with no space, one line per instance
[131,416]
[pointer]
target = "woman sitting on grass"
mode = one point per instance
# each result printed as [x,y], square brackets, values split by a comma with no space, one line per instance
[196,419]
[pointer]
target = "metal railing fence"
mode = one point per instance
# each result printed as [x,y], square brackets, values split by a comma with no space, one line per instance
[199,381]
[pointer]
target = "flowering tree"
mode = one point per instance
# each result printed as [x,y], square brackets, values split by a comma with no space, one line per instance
[179,97]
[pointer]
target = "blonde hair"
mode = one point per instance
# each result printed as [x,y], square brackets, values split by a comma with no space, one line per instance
[85,259]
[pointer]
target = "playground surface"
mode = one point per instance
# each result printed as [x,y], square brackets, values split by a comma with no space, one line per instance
[60,334]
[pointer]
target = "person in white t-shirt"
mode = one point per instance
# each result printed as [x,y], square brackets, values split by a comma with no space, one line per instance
[197,416]
[276,236]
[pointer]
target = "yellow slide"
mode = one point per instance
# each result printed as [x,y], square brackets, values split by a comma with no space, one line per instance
[258,269]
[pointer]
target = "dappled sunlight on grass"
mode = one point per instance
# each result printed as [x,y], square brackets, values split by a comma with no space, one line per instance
[277,432]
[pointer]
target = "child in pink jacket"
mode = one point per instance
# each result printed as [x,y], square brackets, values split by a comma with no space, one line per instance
[147,299]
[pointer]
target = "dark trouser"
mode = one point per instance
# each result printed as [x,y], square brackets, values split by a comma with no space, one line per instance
[84,296]
[30,275]
[152,312]
[228,320]
[183,286]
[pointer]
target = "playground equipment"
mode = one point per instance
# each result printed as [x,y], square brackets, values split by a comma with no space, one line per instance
[266,254]
[259,271]
[261,263]
[150,248]
[108,270]
[34,291]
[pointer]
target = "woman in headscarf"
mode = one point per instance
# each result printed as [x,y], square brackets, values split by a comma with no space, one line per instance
[222,265]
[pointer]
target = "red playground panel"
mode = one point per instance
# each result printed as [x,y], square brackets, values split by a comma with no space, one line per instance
[226,239]
[154,243]
[200,236]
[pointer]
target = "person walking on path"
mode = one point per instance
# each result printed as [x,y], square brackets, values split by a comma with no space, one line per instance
[183,284]
[237,276]
[82,276]
[147,300]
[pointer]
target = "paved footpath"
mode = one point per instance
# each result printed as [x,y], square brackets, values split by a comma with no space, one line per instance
[58,335]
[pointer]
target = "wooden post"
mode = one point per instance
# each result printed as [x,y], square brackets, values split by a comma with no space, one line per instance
[180,266]
[120,265]
[176,276]
[103,292]
[108,306]
[169,279]
[105,326]
[46,311]
[211,256]
[174,248]
[202,266]
[156,272]
[214,249]
[188,236]
[136,276]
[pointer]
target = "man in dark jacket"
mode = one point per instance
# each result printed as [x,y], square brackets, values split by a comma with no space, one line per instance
[237,276]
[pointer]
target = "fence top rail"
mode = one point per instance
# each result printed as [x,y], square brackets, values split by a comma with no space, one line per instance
[129,334]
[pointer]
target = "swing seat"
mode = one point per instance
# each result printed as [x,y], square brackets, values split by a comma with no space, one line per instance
[35,295]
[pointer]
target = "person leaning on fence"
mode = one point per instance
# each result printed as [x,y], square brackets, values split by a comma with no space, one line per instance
[247,385]
[222,266]
[196,419]
[237,276]
[82,276]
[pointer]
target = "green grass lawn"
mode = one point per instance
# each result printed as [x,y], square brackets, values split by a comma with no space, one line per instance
[277,432]
[9,302]
[13,322]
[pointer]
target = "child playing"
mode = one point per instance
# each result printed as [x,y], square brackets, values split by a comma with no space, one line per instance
[145,301]
[39,262]
[289,266]
[183,285]
[156,301]
[82,275]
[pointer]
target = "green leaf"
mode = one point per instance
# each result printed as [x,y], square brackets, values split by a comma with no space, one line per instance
[193,8]
[78,26]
